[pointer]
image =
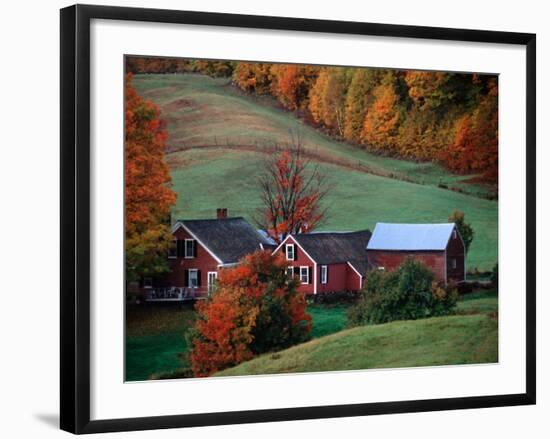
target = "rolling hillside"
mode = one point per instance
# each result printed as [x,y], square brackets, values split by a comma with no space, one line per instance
[468,339]
[218,139]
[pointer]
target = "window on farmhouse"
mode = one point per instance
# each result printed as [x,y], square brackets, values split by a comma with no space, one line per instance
[290,252]
[173,250]
[454,263]
[290,272]
[304,275]
[324,274]
[189,248]
[193,278]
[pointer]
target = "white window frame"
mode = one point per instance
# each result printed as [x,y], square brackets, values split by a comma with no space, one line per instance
[186,256]
[210,285]
[196,271]
[288,269]
[454,234]
[324,274]
[381,268]
[148,285]
[291,246]
[307,274]
[454,263]
[175,248]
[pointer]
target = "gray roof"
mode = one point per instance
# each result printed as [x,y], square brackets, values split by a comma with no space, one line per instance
[267,237]
[228,238]
[410,236]
[337,247]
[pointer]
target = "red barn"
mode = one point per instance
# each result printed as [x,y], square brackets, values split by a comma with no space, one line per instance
[327,261]
[201,248]
[439,246]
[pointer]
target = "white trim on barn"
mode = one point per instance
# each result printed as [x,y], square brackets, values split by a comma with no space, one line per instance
[324,279]
[314,277]
[298,244]
[358,274]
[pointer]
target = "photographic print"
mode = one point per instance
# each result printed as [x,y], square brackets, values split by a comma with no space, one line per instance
[288,218]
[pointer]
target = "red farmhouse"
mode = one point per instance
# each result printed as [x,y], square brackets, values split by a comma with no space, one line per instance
[327,261]
[439,246]
[201,248]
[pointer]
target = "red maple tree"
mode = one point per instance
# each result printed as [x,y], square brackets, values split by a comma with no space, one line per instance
[148,196]
[255,308]
[292,191]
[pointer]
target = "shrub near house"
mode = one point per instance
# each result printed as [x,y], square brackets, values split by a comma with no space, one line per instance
[407,293]
[256,308]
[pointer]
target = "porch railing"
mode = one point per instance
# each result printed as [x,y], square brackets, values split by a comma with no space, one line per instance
[164,294]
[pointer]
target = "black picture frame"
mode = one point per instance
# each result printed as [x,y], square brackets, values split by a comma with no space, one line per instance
[75,217]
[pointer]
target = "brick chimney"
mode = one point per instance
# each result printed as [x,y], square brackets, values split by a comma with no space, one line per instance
[221,213]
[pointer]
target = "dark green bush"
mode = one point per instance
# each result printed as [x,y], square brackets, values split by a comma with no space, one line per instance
[335,298]
[408,293]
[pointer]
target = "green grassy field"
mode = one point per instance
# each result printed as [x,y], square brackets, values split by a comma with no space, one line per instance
[155,340]
[219,138]
[155,337]
[468,339]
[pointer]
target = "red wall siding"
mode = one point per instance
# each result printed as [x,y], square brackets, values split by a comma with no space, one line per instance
[455,250]
[203,262]
[337,278]
[354,282]
[341,277]
[390,260]
[300,259]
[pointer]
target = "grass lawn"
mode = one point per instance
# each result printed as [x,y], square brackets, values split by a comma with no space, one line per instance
[201,111]
[478,302]
[155,340]
[327,319]
[155,335]
[357,200]
[467,339]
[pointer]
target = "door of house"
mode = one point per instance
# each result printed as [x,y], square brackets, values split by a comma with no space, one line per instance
[212,276]
[193,281]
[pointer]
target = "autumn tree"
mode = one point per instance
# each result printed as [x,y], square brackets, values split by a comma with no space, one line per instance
[291,84]
[358,98]
[253,77]
[292,190]
[148,196]
[465,229]
[475,146]
[380,128]
[327,98]
[256,308]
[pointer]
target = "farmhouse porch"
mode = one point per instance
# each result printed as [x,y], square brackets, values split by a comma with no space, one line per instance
[175,294]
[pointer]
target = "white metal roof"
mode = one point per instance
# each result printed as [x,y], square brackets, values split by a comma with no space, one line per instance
[388,236]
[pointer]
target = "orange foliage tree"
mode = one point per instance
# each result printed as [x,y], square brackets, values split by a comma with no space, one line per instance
[255,308]
[380,129]
[327,98]
[148,196]
[253,77]
[291,84]
[292,191]
[358,99]
[475,146]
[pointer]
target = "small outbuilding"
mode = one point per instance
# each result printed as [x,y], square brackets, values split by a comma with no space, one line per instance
[439,246]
